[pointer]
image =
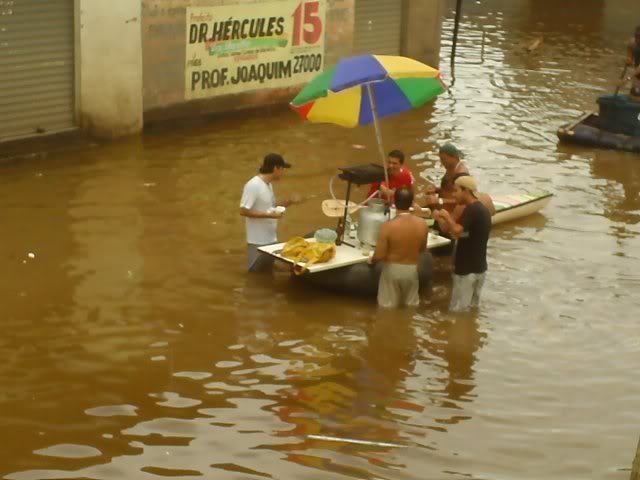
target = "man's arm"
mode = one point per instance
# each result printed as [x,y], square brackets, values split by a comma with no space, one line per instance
[423,244]
[247,212]
[388,192]
[443,222]
[454,228]
[488,202]
[293,200]
[373,189]
[382,246]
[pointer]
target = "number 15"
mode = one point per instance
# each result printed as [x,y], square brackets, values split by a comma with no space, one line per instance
[306,15]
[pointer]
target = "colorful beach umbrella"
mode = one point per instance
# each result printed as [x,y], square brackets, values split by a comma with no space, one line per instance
[340,95]
[360,90]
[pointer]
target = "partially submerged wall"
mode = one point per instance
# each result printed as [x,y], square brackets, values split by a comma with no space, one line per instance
[109,67]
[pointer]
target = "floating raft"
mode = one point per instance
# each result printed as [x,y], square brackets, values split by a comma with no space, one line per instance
[616,126]
[587,131]
[348,272]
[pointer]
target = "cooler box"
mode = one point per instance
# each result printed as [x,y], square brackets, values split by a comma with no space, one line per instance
[618,114]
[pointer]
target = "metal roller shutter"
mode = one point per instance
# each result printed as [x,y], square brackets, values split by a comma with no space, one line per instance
[37,67]
[378,27]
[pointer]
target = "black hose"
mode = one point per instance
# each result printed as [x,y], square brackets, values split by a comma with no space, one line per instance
[456,27]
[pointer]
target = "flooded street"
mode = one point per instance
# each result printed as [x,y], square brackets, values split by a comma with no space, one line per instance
[136,346]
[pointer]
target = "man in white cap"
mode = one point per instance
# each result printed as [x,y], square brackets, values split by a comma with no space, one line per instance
[472,234]
[258,206]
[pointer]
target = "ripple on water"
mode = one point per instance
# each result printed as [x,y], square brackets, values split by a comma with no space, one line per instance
[193,375]
[171,472]
[541,386]
[69,450]
[113,411]
[175,400]
[228,364]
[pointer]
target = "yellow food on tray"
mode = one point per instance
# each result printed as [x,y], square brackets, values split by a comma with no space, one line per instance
[302,251]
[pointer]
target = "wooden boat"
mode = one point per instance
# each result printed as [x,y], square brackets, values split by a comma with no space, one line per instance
[513,207]
[508,208]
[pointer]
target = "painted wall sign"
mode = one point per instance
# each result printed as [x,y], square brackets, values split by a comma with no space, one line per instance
[240,48]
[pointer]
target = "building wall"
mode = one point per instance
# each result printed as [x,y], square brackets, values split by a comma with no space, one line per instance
[132,59]
[423,30]
[109,67]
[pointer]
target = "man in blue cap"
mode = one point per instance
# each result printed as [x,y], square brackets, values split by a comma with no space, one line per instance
[450,158]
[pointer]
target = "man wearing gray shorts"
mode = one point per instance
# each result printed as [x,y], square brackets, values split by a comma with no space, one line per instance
[399,245]
[472,234]
[258,207]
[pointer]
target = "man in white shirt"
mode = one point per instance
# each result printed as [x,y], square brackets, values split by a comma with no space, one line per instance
[258,206]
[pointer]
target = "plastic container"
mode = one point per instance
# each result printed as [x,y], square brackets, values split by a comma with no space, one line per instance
[618,114]
[371,219]
[325,235]
[278,209]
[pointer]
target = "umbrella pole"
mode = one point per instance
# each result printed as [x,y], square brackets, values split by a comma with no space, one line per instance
[374,111]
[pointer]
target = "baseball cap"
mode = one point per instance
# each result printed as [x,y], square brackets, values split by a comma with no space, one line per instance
[451,149]
[273,160]
[469,183]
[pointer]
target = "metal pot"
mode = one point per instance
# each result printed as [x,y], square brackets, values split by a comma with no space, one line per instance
[371,218]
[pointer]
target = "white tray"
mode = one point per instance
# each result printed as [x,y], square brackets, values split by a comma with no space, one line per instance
[346,254]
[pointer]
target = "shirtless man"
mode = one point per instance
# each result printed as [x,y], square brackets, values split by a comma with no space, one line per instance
[443,196]
[400,243]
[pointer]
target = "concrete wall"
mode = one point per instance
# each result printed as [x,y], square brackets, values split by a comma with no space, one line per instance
[423,30]
[132,57]
[109,64]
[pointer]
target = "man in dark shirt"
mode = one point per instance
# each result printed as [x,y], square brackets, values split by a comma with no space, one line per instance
[472,234]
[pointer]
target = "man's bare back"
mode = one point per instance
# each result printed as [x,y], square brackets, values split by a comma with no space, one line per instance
[402,240]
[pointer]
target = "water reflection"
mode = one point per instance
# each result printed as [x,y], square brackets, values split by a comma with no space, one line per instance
[140,340]
[455,340]
[544,16]
[352,403]
[525,230]
[621,191]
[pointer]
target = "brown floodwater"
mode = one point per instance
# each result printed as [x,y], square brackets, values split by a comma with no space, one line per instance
[135,346]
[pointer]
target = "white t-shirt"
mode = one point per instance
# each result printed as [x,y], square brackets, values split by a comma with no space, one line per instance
[258,195]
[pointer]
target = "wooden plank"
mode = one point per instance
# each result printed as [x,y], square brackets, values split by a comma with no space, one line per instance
[573,124]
